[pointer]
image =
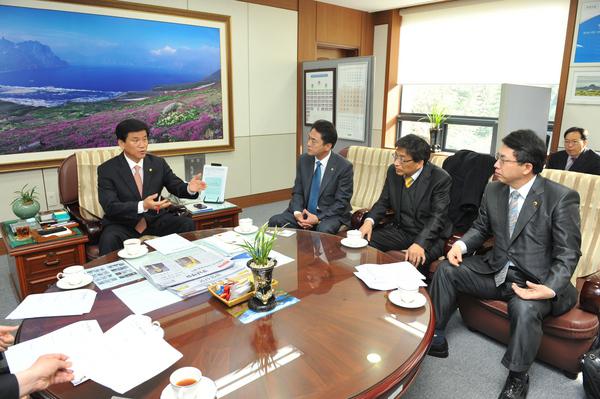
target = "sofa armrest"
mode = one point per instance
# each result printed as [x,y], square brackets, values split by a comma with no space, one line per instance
[358,218]
[92,228]
[589,297]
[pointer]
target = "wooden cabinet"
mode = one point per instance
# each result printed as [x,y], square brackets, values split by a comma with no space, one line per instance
[33,267]
[228,217]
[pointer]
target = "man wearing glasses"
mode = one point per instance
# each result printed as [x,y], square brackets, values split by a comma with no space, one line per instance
[576,157]
[537,231]
[419,194]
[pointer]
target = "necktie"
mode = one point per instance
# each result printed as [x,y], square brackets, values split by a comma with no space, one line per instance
[513,215]
[570,162]
[315,185]
[141,225]
[408,181]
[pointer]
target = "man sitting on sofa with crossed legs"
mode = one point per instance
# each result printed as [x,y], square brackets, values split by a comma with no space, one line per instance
[537,231]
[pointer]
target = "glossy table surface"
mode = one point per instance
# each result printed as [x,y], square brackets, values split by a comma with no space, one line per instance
[341,340]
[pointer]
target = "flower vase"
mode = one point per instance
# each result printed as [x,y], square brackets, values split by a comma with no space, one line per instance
[435,139]
[25,210]
[264,298]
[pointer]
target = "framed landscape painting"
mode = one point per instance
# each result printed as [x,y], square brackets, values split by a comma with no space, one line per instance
[69,72]
[585,87]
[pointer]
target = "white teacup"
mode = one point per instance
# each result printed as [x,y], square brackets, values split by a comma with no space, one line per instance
[245,224]
[73,275]
[185,382]
[354,235]
[132,246]
[145,323]
[409,290]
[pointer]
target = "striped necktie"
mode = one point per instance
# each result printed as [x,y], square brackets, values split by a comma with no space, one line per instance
[513,216]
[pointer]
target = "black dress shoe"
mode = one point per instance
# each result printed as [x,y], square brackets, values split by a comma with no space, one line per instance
[515,388]
[439,350]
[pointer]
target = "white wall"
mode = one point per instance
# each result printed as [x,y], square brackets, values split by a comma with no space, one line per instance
[264,59]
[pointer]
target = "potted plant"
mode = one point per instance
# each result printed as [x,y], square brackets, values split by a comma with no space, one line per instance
[25,205]
[262,267]
[436,118]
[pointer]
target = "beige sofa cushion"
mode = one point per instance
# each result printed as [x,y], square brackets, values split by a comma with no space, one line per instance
[588,187]
[87,165]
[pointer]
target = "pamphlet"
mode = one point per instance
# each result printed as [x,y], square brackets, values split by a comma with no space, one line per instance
[112,274]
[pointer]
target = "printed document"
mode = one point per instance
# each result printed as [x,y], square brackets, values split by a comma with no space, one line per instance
[65,303]
[387,276]
[143,297]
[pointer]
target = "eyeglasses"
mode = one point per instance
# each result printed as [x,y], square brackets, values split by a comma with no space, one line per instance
[400,158]
[502,160]
[572,142]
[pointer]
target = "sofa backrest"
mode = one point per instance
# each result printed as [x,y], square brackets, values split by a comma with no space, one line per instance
[370,166]
[588,187]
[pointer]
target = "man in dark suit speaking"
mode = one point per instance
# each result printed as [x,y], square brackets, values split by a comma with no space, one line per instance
[129,186]
[419,194]
[323,186]
[576,156]
[536,226]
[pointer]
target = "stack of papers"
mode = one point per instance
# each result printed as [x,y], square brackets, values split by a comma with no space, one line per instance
[227,243]
[170,244]
[66,303]
[387,276]
[121,358]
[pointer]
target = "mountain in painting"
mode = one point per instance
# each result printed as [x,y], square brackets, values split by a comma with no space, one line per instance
[26,56]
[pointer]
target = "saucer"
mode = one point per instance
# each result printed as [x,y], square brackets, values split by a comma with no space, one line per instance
[63,285]
[361,242]
[420,301]
[123,254]
[207,389]
[252,230]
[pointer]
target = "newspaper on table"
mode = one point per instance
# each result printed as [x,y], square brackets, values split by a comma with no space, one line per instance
[200,285]
[226,244]
[181,267]
[112,274]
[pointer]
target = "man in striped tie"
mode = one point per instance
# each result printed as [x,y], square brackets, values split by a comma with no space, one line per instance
[536,226]
[129,186]
[323,187]
[419,194]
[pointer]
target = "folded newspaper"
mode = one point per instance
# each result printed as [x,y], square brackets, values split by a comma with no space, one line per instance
[183,266]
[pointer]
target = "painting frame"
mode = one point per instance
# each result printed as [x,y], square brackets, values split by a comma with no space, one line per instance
[583,77]
[331,78]
[113,8]
[586,29]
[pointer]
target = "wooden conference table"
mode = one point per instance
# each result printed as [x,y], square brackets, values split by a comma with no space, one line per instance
[341,340]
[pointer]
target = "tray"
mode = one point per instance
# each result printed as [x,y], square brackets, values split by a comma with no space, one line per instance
[238,300]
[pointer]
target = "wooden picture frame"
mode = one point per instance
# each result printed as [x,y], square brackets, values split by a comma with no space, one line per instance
[188,105]
[322,97]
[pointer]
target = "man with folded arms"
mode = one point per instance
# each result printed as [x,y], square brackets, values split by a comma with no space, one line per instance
[419,194]
[47,370]
[129,186]
[323,187]
[576,157]
[536,226]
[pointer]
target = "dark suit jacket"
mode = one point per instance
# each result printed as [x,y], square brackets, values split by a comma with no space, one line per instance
[546,241]
[432,197]
[335,191]
[9,386]
[586,162]
[118,193]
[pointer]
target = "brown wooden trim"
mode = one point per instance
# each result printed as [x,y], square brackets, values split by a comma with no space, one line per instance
[564,75]
[116,4]
[391,96]
[263,198]
[286,4]
[307,51]
[368,32]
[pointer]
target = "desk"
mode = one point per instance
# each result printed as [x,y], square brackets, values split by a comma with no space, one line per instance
[227,217]
[33,267]
[328,336]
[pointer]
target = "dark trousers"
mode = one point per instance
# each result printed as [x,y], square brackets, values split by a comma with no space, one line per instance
[328,225]
[525,316]
[167,223]
[392,238]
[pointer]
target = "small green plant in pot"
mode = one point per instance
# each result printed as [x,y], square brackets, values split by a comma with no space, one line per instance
[25,205]
[262,267]
[436,117]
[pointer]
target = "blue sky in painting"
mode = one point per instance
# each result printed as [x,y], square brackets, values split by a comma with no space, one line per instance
[86,40]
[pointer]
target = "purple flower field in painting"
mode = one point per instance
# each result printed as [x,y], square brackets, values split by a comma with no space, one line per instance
[174,116]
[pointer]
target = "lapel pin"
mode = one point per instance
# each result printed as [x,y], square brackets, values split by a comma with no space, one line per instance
[535,203]
[150,170]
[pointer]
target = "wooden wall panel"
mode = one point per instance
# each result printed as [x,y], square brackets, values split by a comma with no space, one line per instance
[286,4]
[367,33]
[338,26]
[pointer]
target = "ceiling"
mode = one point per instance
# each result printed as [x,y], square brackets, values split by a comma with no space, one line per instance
[379,5]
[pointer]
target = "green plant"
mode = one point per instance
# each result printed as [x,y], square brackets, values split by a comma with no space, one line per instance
[437,116]
[25,196]
[261,247]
